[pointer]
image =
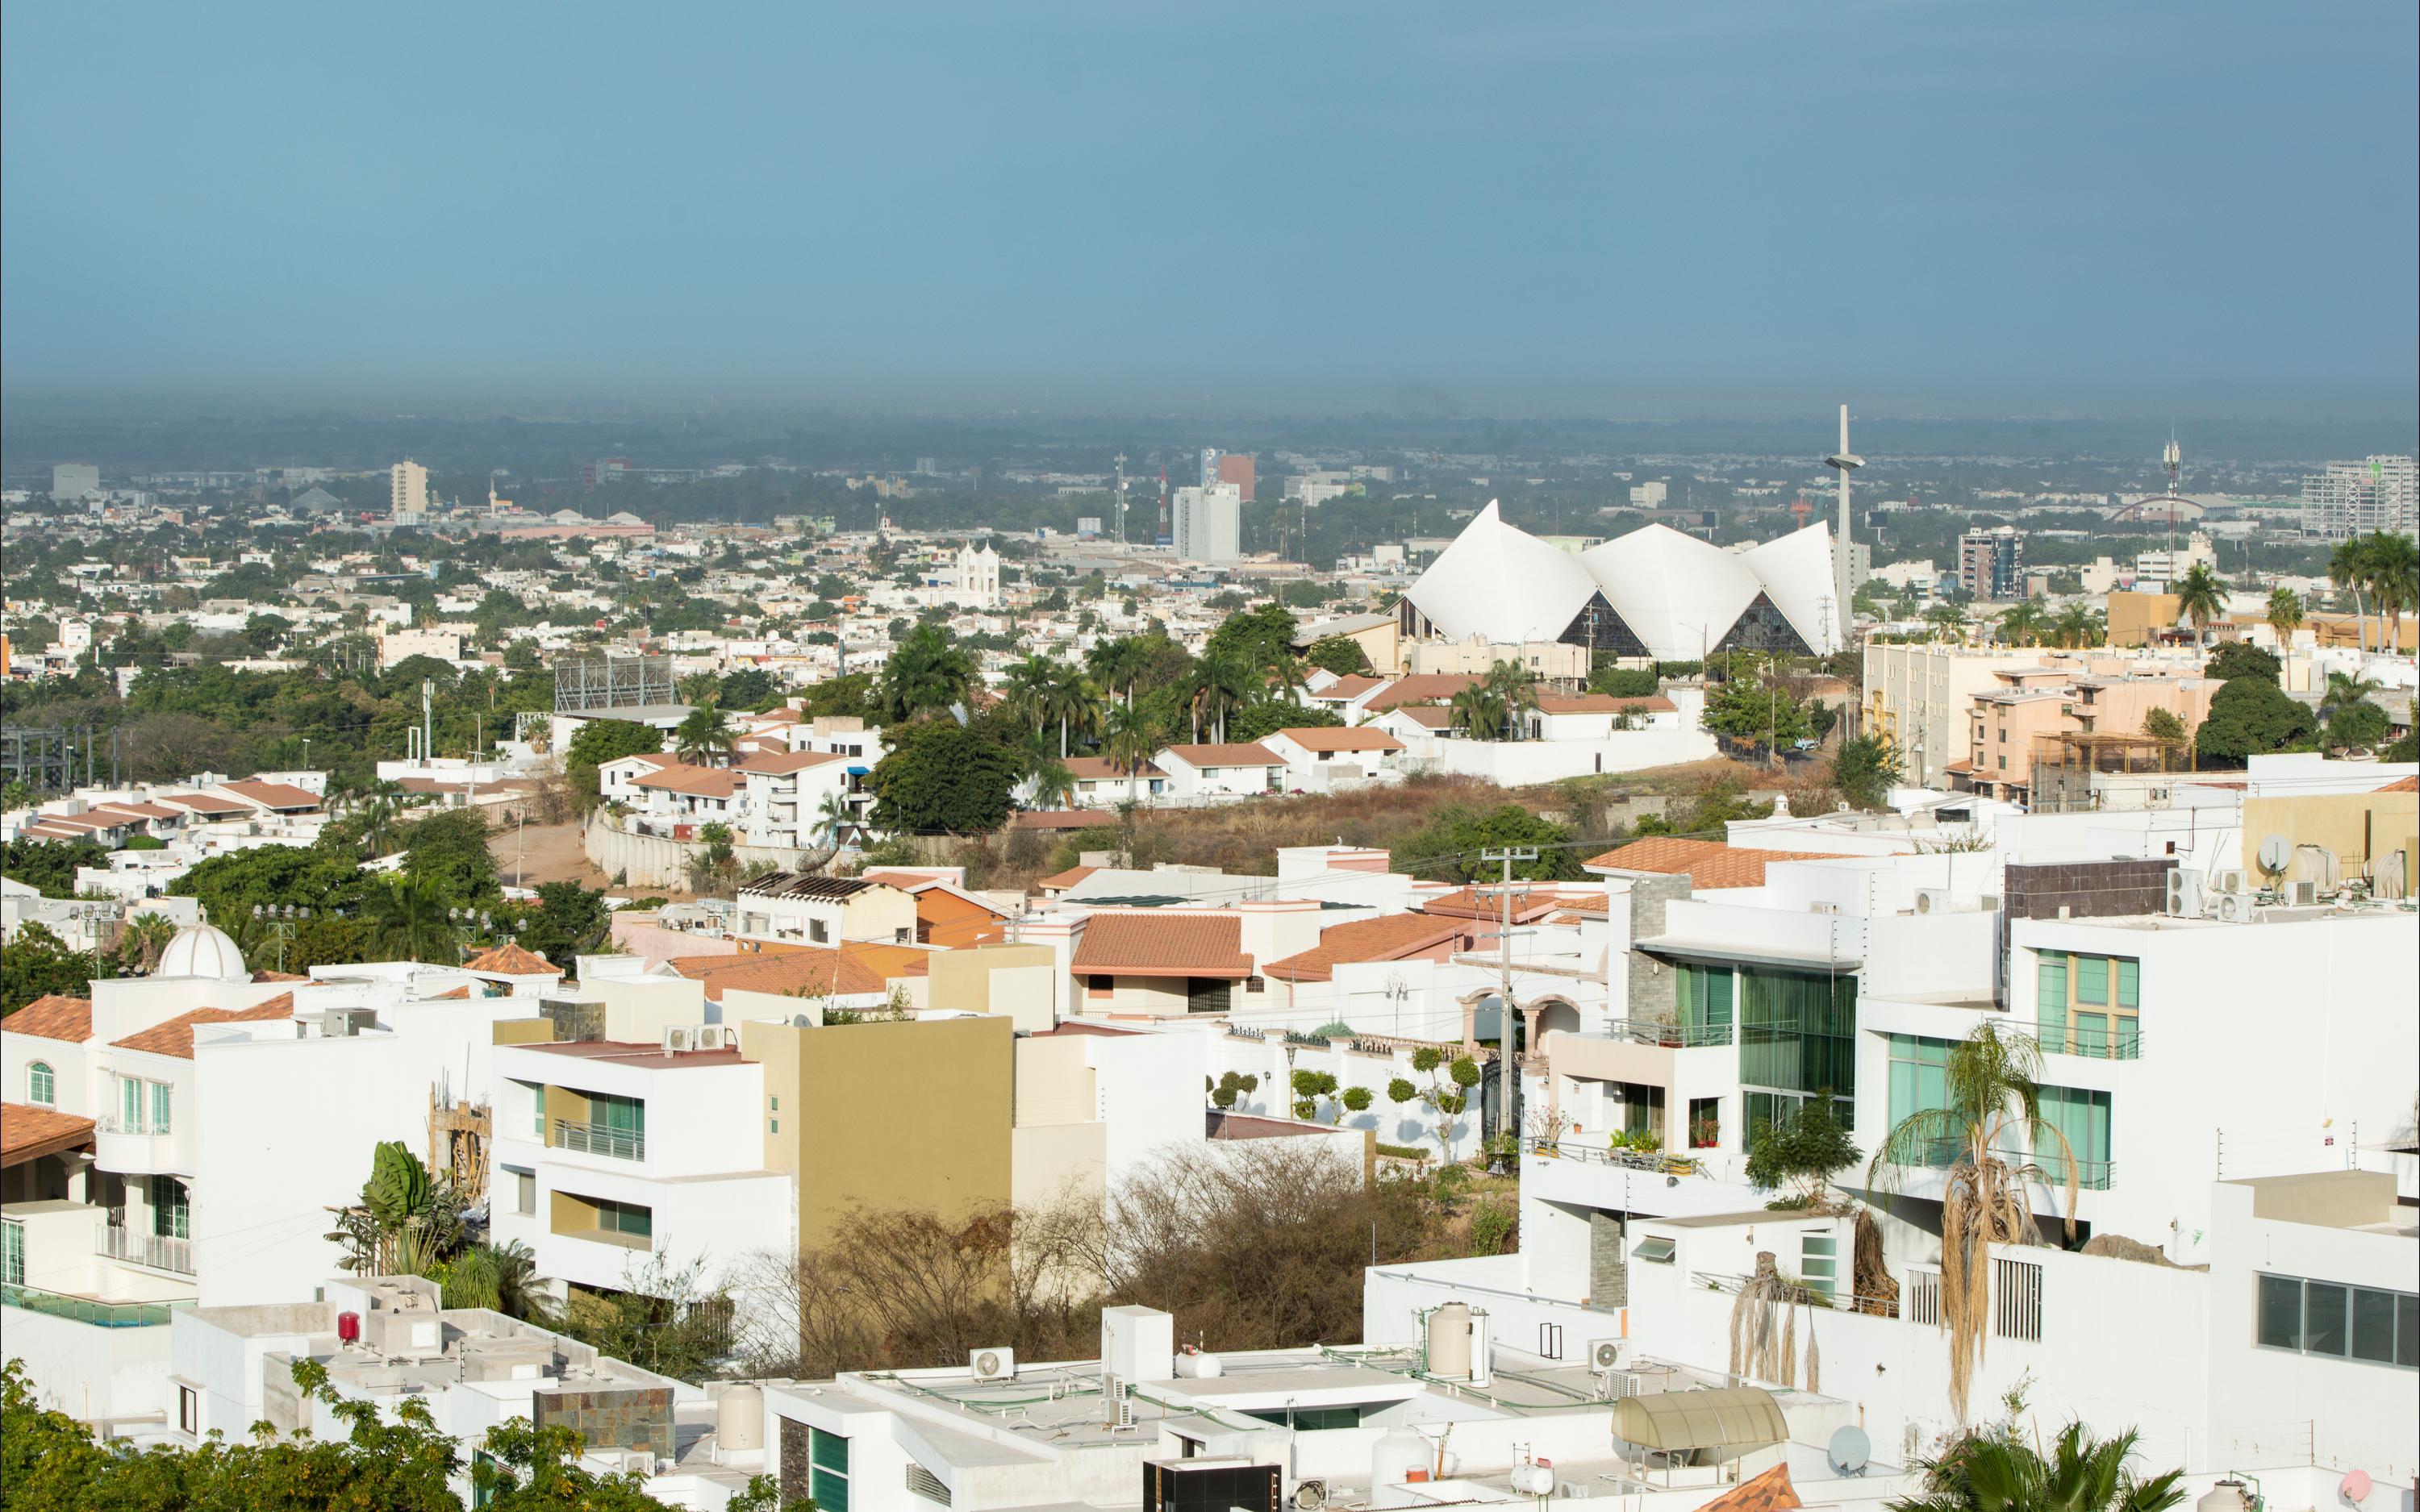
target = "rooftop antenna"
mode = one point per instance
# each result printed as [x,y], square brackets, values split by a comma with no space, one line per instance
[1846,462]
[1122,497]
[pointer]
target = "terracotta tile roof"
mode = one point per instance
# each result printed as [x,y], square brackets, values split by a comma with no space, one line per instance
[784,762]
[1062,818]
[1227,755]
[1606,704]
[146,810]
[1321,739]
[804,972]
[204,803]
[275,795]
[1162,945]
[1059,882]
[1768,1492]
[1709,863]
[53,1016]
[462,991]
[510,960]
[1427,715]
[1390,938]
[1100,769]
[1346,688]
[1599,906]
[27,1132]
[697,781]
[2407,784]
[1469,903]
[266,975]
[1426,688]
[176,1037]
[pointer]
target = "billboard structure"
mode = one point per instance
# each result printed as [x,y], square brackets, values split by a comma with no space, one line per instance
[584,684]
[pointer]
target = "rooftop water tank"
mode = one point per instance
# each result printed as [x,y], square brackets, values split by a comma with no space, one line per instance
[740,1419]
[1450,1341]
[1400,1458]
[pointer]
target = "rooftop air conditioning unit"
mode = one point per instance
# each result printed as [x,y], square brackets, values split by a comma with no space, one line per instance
[992,1365]
[713,1037]
[2230,880]
[678,1038]
[1605,1354]
[2184,895]
[2306,894]
[2235,908]
[1933,900]
[1310,1496]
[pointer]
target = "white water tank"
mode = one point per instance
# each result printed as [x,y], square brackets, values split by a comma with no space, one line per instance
[2226,1496]
[1205,1366]
[1482,1367]
[1397,1456]
[1533,1480]
[1450,1341]
[740,1420]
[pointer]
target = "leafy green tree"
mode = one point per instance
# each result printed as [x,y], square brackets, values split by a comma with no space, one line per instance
[2000,1472]
[2240,658]
[1339,653]
[926,674]
[942,778]
[1309,1087]
[2164,724]
[568,920]
[1625,682]
[1232,1086]
[1447,848]
[1256,721]
[449,851]
[1801,1151]
[2251,718]
[1865,770]
[1757,711]
[50,864]
[599,741]
[38,963]
[405,919]
[1261,638]
[2358,726]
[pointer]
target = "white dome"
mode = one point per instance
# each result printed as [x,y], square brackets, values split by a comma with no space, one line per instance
[203,950]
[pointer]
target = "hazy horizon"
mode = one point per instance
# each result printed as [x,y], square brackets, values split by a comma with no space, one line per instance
[2202,211]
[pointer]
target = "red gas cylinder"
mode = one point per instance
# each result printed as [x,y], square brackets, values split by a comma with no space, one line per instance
[348,1328]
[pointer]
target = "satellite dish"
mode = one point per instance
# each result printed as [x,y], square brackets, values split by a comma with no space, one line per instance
[2276,854]
[1849,1451]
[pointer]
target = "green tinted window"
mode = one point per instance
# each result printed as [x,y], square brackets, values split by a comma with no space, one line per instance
[2130,984]
[2092,979]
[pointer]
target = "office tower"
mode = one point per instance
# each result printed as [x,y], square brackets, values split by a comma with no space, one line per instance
[2357,498]
[1992,562]
[1236,468]
[408,494]
[1209,523]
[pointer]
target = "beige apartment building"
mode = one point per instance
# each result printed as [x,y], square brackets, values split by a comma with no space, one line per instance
[2035,701]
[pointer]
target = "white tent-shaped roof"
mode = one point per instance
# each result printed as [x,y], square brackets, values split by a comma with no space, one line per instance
[1503,585]
[1677,593]
[1795,571]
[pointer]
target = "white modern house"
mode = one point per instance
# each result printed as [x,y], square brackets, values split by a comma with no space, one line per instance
[1210,772]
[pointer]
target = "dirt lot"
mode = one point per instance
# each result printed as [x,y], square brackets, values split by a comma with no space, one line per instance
[546,853]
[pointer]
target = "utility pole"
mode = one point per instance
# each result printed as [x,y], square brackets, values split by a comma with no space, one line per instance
[427,723]
[1508,1085]
[1845,462]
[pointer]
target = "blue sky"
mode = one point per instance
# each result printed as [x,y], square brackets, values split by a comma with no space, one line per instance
[2205,208]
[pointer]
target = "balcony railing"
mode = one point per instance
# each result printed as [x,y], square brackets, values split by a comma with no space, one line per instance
[161,1252]
[596,1139]
[1660,1162]
[2091,1175]
[2120,1040]
[1669,1036]
[85,1310]
[111,1123]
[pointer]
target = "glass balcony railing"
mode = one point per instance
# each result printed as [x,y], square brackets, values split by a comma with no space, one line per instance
[85,1310]
[2091,1175]
[1669,1036]
[596,1139]
[2090,1036]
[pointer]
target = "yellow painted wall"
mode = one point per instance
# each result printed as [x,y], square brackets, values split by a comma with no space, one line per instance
[1020,980]
[914,1114]
[639,1011]
[571,1215]
[2358,827]
[1059,1160]
[562,1102]
[2137,619]
[775,1046]
[879,913]
[524,1031]
[1054,1084]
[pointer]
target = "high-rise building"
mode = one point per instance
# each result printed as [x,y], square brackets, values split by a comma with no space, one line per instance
[1209,523]
[1210,455]
[408,493]
[70,482]
[1991,564]
[1649,495]
[1236,468]
[2357,498]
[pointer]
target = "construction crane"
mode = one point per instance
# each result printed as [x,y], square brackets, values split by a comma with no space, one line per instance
[1801,510]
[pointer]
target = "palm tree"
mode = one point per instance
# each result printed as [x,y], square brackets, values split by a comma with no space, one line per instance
[704,735]
[1990,1472]
[1218,686]
[1129,741]
[2201,597]
[1515,689]
[502,1278]
[2078,625]
[2284,612]
[2348,568]
[2395,581]
[2022,625]
[1029,690]
[1054,786]
[832,813]
[1476,713]
[1948,617]
[1075,704]
[1994,1115]
[2345,690]
[406,917]
[1119,665]
[926,674]
[144,940]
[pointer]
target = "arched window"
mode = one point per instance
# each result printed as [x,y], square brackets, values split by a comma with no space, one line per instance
[41,1085]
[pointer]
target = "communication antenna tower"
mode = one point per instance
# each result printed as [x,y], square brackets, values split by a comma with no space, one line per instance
[1122,497]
